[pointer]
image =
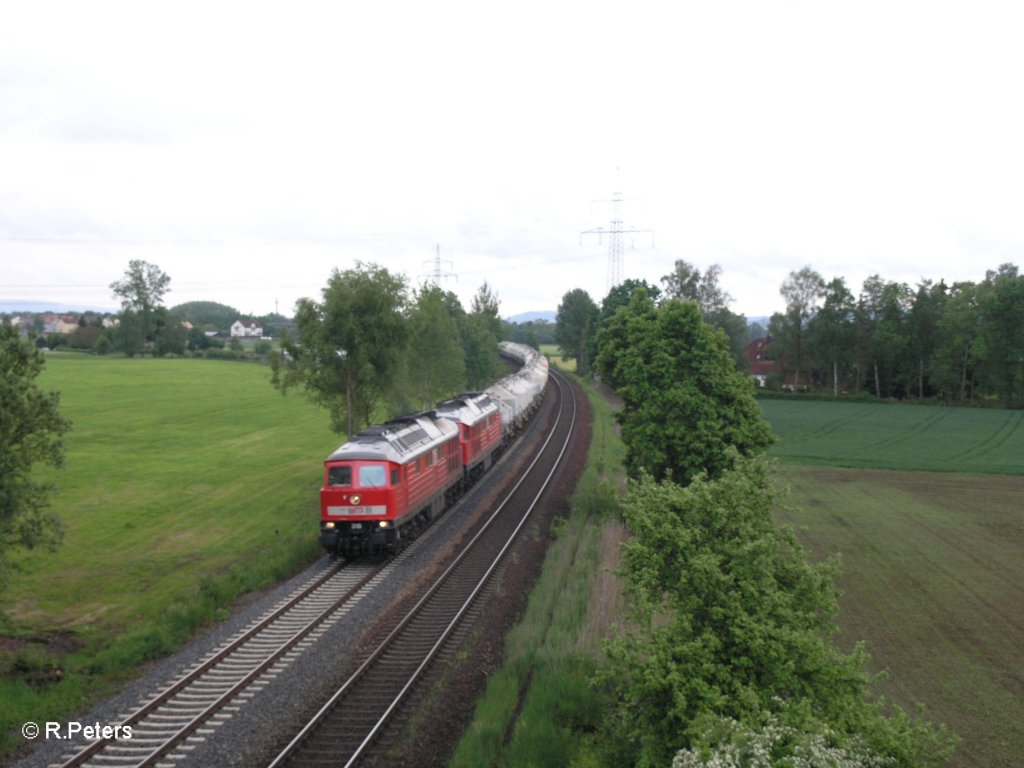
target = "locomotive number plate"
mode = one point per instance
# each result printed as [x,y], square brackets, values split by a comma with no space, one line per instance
[356,526]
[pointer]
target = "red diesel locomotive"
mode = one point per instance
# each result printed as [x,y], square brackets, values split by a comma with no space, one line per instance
[390,481]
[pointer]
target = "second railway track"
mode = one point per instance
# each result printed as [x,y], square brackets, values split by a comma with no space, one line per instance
[189,713]
[346,727]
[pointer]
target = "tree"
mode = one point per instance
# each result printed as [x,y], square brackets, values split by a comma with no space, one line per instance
[924,328]
[1002,313]
[686,409]
[141,291]
[960,342]
[801,290]
[619,296]
[732,620]
[830,331]
[576,328]
[687,283]
[481,331]
[349,345]
[31,431]
[435,365]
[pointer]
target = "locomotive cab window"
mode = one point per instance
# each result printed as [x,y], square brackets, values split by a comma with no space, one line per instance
[394,477]
[372,476]
[339,476]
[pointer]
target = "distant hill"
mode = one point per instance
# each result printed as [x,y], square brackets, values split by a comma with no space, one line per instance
[51,306]
[212,313]
[525,317]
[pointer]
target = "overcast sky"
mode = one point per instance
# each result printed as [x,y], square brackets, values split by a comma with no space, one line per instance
[250,148]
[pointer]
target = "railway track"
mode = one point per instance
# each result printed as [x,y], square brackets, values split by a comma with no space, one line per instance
[346,727]
[178,717]
[193,705]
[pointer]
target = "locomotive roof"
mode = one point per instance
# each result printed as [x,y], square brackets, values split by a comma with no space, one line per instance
[399,440]
[468,408]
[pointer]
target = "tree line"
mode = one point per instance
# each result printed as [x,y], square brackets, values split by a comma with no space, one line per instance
[959,343]
[372,345]
[728,656]
[580,318]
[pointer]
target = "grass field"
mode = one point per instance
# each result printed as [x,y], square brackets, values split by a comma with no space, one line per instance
[186,483]
[925,505]
[889,436]
[934,583]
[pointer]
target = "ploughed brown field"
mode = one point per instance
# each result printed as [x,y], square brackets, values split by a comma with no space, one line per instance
[933,582]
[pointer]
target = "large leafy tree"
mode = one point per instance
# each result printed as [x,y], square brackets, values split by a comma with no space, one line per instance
[687,283]
[31,431]
[435,361]
[801,290]
[686,409]
[830,331]
[349,345]
[1002,314]
[576,327]
[141,291]
[481,331]
[731,620]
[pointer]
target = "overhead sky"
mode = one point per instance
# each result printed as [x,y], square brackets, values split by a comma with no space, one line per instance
[248,149]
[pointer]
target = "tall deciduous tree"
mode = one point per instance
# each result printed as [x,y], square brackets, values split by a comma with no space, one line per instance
[1002,312]
[925,314]
[141,291]
[687,283]
[733,620]
[686,409]
[830,331]
[481,331]
[576,327]
[801,290]
[349,345]
[31,432]
[435,360]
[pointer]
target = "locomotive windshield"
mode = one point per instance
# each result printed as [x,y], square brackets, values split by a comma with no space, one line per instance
[372,476]
[339,475]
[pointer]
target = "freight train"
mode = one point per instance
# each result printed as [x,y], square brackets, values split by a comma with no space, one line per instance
[390,481]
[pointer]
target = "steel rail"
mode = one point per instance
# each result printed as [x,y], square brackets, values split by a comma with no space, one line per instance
[96,747]
[321,715]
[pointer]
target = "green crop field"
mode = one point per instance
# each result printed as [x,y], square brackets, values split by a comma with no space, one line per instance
[186,483]
[903,437]
[933,577]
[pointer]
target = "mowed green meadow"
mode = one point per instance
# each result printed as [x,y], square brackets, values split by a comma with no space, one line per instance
[932,561]
[186,483]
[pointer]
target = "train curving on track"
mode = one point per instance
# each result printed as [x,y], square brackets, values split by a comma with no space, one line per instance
[390,481]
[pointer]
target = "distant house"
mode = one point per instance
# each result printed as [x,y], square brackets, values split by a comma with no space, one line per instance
[67,324]
[51,323]
[759,367]
[246,330]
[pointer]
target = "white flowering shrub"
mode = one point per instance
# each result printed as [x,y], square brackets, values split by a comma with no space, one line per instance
[775,746]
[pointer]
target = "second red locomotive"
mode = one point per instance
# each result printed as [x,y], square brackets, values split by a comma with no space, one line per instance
[388,482]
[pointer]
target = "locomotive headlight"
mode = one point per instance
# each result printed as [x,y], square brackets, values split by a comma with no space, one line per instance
[329,524]
[356,499]
[383,523]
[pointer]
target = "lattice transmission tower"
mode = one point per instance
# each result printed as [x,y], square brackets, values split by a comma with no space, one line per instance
[615,231]
[437,274]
